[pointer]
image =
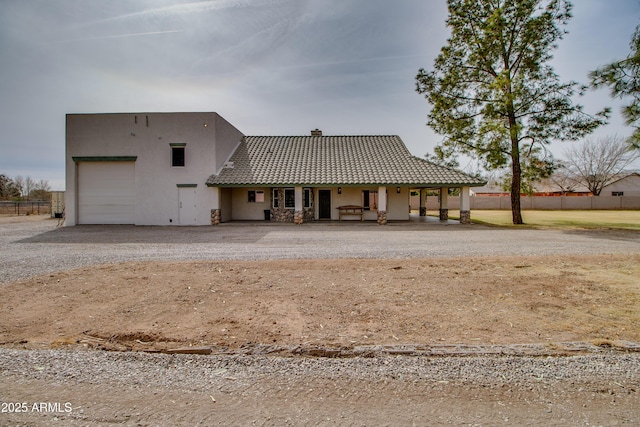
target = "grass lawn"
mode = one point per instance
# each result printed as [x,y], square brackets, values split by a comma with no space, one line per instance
[626,220]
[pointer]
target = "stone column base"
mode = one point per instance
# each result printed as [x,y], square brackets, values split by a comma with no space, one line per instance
[382,217]
[216,216]
[444,214]
[423,211]
[465,217]
[298,217]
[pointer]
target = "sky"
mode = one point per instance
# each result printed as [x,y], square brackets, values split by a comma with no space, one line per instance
[269,67]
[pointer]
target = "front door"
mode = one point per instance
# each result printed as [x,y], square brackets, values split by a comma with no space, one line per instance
[324,204]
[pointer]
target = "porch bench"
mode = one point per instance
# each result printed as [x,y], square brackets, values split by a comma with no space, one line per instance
[350,210]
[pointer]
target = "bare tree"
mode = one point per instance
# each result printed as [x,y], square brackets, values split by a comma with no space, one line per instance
[18,183]
[29,186]
[564,179]
[41,190]
[596,163]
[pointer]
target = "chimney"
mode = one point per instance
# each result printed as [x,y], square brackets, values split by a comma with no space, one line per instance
[316,132]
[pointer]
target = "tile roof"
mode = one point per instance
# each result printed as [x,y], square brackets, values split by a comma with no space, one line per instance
[332,160]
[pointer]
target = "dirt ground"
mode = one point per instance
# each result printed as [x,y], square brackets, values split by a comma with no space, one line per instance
[330,303]
[229,305]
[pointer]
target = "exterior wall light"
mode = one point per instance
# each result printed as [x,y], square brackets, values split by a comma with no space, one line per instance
[339,190]
[398,190]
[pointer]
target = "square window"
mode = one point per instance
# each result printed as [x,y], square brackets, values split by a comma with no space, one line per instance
[177,156]
[255,196]
[289,198]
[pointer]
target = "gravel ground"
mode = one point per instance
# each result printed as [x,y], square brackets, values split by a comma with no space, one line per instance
[100,388]
[196,372]
[106,388]
[38,246]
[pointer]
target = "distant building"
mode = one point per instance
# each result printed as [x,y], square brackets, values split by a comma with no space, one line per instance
[628,185]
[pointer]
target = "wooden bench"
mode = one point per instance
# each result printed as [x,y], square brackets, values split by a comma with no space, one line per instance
[350,210]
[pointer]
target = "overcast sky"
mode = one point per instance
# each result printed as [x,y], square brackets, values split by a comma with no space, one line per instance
[270,67]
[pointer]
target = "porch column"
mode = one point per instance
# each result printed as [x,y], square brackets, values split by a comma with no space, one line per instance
[216,212]
[382,205]
[423,202]
[465,206]
[444,204]
[298,214]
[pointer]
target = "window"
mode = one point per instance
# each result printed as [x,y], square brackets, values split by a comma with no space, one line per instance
[178,155]
[306,198]
[289,198]
[370,200]
[617,193]
[255,196]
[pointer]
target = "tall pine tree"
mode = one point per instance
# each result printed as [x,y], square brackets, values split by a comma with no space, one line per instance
[494,95]
[623,78]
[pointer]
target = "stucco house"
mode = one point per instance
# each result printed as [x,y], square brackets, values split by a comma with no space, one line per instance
[628,185]
[198,169]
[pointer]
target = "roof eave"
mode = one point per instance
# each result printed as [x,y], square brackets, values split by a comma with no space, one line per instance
[344,184]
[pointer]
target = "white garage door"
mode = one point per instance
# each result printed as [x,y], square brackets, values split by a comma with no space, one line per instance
[106,193]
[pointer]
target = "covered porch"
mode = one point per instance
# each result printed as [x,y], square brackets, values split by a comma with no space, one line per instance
[438,198]
[302,204]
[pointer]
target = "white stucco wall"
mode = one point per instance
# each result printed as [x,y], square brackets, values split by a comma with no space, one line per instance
[209,140]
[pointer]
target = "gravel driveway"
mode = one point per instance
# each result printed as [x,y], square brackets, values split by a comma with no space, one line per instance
[38,246]
[106,388]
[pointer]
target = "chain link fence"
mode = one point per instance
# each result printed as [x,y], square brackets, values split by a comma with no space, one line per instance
[31,207]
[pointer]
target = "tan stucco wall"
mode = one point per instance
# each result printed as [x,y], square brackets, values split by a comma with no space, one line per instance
[629,185]
[243,210]
[544,202]
[209,141]
[397,203]
[226,204]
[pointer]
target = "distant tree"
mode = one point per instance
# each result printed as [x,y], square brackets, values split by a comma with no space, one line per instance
[5,182]
[8,188]
[29,186]
[18,184]
[623,79]
[493,94]
[596,163]
[41,190]
[21,188]
[564,179]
